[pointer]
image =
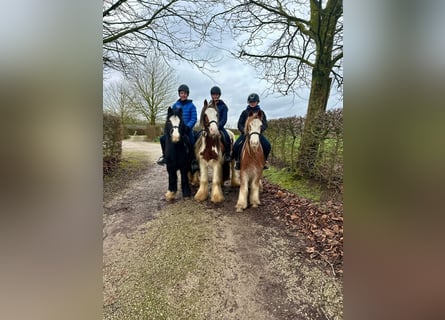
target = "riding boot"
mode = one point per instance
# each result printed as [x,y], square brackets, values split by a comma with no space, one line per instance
[237,164]
[194,166]
[161,161]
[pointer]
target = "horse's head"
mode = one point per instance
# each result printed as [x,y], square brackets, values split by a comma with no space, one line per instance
[209,119]
[253,127]
[174,124]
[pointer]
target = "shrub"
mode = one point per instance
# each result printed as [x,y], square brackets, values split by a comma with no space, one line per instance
[111,142]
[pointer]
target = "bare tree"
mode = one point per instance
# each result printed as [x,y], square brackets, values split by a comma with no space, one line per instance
[132,29]
[293,44]
[152,88]
[117,101]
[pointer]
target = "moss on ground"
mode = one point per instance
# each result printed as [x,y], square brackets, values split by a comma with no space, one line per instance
[293,183]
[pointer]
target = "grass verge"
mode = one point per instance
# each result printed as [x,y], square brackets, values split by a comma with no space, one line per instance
[132,165]
[294,183]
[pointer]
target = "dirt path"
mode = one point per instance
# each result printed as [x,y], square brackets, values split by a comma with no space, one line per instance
[190,260]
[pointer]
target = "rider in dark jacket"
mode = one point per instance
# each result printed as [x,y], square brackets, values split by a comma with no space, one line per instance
[253,99]
[215,93]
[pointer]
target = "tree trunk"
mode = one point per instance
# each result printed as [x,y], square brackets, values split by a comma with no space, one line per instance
[311,137]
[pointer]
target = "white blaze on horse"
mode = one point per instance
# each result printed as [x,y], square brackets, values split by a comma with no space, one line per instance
[209,151]
[251,163]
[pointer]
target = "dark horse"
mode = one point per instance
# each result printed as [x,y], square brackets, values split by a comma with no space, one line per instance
[178,154]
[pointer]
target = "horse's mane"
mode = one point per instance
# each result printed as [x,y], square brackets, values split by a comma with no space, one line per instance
[203,111]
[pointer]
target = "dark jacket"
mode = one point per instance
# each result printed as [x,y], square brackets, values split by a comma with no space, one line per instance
[245,114]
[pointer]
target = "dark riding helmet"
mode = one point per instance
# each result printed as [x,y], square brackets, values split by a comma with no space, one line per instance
[253,97]
[215,90]
[183,87]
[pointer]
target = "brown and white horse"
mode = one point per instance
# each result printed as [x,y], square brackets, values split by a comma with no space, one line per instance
[251,163]
[209,152]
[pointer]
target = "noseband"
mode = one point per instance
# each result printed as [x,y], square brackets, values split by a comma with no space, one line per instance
[173,128]
[208,125]
[252,133]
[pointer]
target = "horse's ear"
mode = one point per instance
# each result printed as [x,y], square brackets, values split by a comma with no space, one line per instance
[205,103]
[180,112]
[169,111]
[250,113]
[260,114]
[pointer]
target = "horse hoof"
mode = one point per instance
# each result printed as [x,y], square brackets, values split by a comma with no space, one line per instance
[217,200]
[169,196]
[199,199]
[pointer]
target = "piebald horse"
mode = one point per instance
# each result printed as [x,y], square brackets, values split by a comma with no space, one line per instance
[209,152]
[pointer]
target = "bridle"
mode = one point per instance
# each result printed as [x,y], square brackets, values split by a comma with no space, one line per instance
[208,125]
[173,128]
[252,133]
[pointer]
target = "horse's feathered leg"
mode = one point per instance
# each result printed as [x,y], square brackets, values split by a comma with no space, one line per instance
[172,183]
[217,181]
[254,197]
[185,185]
[243,193]
[203,191]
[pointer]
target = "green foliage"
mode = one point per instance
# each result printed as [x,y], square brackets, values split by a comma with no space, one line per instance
[284,135]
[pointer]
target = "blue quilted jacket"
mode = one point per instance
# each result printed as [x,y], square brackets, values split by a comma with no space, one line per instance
[189,114]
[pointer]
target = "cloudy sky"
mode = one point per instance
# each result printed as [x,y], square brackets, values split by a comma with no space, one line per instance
[237,80]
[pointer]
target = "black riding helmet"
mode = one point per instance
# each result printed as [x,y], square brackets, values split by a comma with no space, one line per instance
[183,87]
[215,90]
[253,97]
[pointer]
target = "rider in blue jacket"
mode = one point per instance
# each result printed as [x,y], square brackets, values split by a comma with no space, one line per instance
[189,116]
